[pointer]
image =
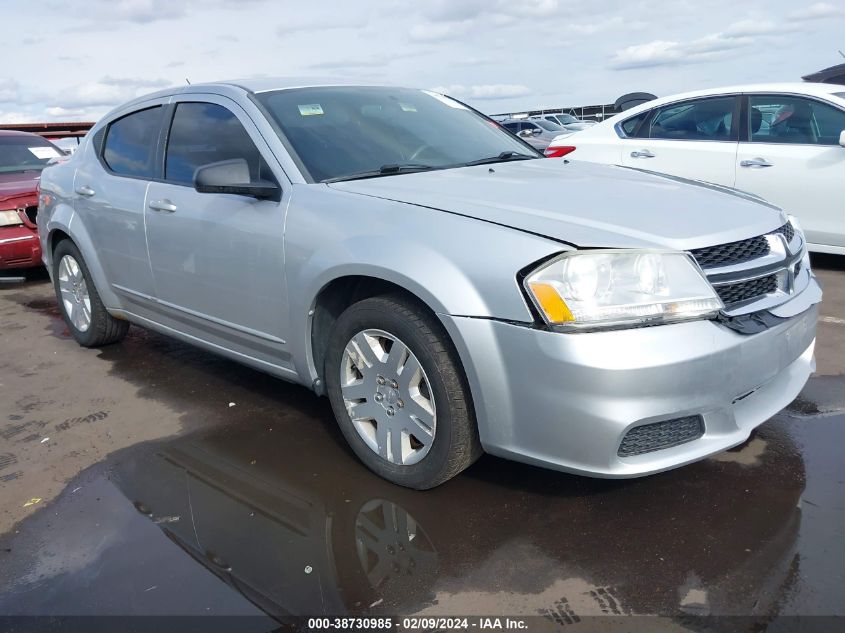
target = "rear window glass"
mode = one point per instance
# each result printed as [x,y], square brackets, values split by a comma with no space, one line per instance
[629,126]
[25,152]
[130,143]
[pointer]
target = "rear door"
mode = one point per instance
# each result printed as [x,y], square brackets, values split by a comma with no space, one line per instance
[790,155]
[218,259]
[109,194]
[695,138]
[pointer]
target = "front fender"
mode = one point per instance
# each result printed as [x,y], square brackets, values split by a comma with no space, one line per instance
[456,265]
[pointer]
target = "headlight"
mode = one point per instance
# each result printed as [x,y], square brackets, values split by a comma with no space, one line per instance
[10,218]
[613,288]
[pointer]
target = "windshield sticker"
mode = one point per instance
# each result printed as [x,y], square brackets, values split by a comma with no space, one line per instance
[310,109]
[44,152]
[444,99]
[407,107]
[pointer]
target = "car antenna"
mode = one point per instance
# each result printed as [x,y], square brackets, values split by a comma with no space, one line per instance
[187,81]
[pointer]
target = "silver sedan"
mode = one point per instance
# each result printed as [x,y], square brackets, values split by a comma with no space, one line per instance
[449,289]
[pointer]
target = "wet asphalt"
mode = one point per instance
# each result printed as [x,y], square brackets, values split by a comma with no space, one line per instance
[176,482]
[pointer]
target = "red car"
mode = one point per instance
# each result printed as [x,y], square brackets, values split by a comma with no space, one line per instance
[22,157]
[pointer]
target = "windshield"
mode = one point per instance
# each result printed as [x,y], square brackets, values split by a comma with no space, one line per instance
[25,153]
[547,125]
[343,131]
[567,119]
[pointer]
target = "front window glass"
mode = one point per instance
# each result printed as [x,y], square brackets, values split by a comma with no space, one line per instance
[130,143]
[203,133]
[24,152]
[566,119]
[548,125]
[697,120]
[339,132]
[788,119]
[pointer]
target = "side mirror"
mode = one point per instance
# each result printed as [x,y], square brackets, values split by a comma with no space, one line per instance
[525,133]
[232,176]
[842,138]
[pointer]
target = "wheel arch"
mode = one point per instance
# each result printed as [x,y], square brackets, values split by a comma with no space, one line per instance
[65,225]
[341,292]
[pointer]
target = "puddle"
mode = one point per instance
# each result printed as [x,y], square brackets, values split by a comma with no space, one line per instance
[287,521]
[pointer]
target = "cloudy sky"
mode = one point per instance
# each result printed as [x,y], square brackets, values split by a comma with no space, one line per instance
[75,59]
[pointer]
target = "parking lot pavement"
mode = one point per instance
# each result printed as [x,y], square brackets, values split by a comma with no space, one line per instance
[150,477]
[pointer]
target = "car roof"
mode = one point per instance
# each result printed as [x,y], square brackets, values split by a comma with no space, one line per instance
[795,87]
[248,85]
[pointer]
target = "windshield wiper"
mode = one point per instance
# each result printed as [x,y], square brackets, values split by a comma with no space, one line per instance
[385,170]
[501,158]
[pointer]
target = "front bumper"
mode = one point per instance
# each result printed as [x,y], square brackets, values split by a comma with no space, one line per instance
[565,401]
[19,247]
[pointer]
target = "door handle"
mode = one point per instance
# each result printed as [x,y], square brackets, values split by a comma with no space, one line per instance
[643,153]
[755,163]
[85,190]
[162,205]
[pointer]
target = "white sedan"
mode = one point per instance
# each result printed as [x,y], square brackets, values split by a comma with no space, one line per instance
[782,142]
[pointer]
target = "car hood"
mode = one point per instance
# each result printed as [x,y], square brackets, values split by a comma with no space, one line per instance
[18,188]
[584,204]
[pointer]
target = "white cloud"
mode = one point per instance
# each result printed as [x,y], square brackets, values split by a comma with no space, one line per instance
[320,22]
[707,48]
[16,117]
[818,11]
[108,92]
[749,28]
[58,112]
[461,10]
[485,91]
[607,24]
[449,19]
[9,90]
[436,31]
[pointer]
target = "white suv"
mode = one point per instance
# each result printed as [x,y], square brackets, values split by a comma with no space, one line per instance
[782,142]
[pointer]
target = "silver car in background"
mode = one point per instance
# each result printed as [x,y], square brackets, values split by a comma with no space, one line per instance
[568,122]
[538,133]
[448,289]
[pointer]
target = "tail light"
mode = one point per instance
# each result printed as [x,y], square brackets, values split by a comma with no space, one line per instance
[557,152]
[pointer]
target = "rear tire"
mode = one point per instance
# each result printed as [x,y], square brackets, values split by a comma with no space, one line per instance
[79,302]
[413,423]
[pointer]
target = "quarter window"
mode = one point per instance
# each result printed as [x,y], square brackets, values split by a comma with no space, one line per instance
[697,120]
[629,126]
[788,119]
[203,133]
[130,143]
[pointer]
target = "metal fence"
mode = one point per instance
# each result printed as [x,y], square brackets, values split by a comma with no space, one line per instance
[590,112]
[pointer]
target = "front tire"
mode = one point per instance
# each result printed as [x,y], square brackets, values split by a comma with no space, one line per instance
[399,393]
[82,309]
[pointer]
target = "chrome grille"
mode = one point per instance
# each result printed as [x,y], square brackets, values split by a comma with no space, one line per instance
[740,251]
[732,252]
[753,273]
[659,435]
[786,230]
[745,290]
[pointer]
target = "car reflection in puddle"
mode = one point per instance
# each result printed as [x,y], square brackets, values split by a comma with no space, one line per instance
[294,524]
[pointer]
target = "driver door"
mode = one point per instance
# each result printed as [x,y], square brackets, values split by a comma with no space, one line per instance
[218,259]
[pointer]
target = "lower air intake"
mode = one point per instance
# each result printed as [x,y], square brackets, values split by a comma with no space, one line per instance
[659,435]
